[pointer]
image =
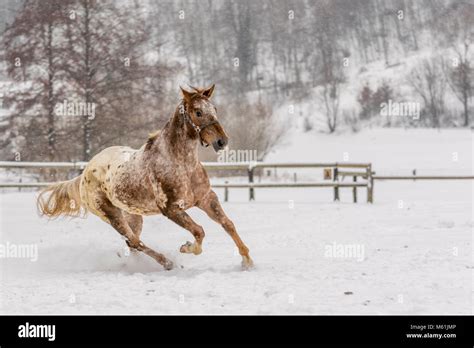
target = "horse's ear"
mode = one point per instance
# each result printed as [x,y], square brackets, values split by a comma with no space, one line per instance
[208,92]
[186,95]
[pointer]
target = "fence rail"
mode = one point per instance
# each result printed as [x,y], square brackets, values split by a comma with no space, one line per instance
[64,165]
[24,184]
[207,165]
[228,185]
[290,184]
[424,177]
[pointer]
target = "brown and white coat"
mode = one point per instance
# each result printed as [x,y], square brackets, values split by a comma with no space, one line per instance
[164,176]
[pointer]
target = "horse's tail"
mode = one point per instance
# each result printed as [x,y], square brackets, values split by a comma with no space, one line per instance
[62,198]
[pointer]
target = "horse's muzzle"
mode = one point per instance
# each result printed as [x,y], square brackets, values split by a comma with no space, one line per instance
[220,144]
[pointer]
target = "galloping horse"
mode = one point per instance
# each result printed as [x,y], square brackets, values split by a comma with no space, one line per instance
[121,185]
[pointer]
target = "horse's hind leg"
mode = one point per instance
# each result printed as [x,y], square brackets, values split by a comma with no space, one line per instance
[118,221]
[136,224]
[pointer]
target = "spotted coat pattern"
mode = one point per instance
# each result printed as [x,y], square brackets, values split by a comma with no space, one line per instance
[164,176]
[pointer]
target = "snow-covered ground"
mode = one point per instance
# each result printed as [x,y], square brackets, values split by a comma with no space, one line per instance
[411,250]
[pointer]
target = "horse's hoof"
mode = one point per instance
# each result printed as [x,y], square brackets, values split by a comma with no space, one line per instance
[189,248]
[186,248]
[247,263]
[168,265]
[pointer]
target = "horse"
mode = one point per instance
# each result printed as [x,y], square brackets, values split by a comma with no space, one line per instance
[121,185]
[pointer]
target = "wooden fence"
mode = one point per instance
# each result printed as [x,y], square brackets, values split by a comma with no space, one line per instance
[335,172]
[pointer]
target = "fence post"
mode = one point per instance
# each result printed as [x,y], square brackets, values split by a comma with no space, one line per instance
[21,179]
[336,188]
[354,190]
[251,190]
[370,185]
[226,192]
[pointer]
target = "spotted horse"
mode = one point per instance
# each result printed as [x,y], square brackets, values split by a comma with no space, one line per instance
[121,185]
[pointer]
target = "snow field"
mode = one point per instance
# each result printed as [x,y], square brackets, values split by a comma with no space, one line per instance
[416,259]
[414,244]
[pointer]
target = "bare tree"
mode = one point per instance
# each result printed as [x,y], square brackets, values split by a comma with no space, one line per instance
[260,133]
[429,82]
[34,54]
[458,34]
[331,58]
[460,77]
[109,67]
[88,52]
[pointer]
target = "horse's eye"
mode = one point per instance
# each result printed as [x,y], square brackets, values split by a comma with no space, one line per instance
[198,113]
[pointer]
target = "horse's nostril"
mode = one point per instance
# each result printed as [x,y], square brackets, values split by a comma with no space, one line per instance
[221,143]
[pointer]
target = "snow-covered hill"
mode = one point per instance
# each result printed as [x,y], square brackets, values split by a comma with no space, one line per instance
[390,150]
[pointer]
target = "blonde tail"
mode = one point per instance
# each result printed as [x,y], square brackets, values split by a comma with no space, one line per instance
[62,198]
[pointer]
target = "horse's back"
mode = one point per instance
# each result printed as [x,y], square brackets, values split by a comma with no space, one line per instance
[110,157]
[106,162]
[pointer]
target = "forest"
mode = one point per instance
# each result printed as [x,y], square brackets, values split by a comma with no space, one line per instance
[126,60]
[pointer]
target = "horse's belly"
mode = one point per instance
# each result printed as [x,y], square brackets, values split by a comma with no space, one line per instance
[134,202]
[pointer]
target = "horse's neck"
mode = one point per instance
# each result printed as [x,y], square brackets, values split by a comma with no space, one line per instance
[180,140]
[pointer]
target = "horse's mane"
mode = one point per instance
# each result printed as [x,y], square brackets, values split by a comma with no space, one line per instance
[151,139]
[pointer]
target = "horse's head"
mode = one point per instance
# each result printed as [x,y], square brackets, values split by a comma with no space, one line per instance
[201,114]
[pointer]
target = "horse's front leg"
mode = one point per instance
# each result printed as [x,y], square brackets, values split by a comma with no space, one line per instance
[210,204]
[180,217]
